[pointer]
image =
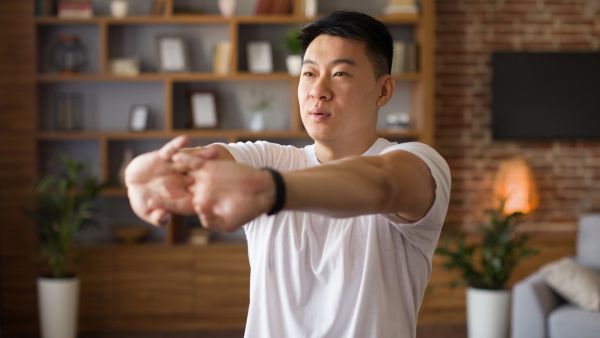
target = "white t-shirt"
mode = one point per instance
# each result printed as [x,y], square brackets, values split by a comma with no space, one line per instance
[317,276]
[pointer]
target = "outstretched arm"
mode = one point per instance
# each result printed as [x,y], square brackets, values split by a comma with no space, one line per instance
[158,187]
[227,194]
[396,182]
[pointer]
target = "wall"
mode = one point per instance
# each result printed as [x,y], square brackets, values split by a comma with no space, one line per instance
[567,173]
[17,166]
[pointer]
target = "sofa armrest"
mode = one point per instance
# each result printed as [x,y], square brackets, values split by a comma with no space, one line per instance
[532,302]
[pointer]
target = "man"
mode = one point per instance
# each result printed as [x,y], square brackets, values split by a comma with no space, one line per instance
[340,233]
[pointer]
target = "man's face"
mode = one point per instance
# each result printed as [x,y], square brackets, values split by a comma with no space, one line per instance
[338,92]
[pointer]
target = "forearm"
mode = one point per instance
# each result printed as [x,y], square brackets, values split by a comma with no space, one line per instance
[342,189]
[361,185]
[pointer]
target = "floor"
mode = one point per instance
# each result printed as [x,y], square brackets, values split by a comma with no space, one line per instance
[430,331]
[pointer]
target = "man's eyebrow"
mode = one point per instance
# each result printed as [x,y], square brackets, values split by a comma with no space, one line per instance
[336,61]
[344,60]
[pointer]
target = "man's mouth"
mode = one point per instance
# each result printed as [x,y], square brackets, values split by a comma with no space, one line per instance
[319,115]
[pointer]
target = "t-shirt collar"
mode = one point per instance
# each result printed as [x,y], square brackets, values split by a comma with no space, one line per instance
[375,149]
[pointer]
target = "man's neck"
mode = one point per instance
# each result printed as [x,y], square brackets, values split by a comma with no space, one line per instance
[327,152]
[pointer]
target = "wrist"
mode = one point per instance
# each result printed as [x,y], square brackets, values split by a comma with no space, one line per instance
[278,191]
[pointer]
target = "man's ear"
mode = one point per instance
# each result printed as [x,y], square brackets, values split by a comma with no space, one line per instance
[387,86]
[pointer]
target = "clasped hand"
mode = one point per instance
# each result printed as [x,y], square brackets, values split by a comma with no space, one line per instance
[186,181]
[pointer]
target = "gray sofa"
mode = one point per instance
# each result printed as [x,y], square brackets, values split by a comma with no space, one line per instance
[538,312]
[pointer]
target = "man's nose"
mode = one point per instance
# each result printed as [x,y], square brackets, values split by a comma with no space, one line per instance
[321,90]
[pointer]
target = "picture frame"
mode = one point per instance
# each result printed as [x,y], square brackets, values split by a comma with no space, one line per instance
[139,117]
[260,58]
[203,110]
[172,54]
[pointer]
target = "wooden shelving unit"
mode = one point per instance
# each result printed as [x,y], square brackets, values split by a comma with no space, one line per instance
[104,35]
[124,295]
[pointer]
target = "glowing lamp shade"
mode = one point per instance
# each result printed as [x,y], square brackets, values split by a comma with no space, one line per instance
[515,185]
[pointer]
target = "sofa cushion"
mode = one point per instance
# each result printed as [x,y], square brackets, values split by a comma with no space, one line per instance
[576,283]
[588,250]
[568,321]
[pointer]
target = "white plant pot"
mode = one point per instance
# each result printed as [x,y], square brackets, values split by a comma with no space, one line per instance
[58,301]
[488,313]
[227,7]
[294,64]
[310,8]
[119,8]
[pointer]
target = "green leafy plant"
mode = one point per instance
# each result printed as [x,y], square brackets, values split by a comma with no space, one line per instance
[489,263]
[292,42]
[62,204]
[262,100]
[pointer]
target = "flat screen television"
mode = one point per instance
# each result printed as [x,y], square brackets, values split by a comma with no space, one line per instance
[545,95]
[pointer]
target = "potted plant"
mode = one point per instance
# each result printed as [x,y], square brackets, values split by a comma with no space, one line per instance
[62,204]
[485,266]
[294,47]
[260,108]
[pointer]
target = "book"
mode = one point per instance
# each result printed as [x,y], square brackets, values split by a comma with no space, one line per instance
[75,9]
[401,6]
[222,57]
[264,7]
[412,57]
[398,59]
[158,7]
[281,7]
[405,57]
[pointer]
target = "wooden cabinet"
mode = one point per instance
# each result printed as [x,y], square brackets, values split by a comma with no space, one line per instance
[162,288]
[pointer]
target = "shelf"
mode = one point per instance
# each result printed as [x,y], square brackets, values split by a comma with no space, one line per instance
[408,77]
[401,18]
[192,133]
[399,134]
[407,18]
[52,20]
[136,20]
[175,19]
[91,134]
[145,77]
[114,192]
[241,76]
[157,77]
[404,18]
[271,19]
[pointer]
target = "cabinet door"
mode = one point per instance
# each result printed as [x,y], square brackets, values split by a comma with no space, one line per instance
[95,271]
[153,280]
[221,285]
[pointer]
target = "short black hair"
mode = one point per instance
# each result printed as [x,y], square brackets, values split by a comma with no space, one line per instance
[355,26]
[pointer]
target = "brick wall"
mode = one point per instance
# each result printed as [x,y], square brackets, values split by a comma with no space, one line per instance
[567,172]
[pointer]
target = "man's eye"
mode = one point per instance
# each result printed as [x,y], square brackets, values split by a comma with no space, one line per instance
[340,74]
[308,74]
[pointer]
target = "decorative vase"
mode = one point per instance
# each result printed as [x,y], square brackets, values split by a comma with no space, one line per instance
[58,301]
[398,120]
[119,8]
[227,7]
[68,111]
[310,8]
[488,313]
[68,54]
[294,64]
[257,123]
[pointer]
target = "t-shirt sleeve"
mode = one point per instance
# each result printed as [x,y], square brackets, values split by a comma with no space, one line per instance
[425,232]
[440,172]
[263,154]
